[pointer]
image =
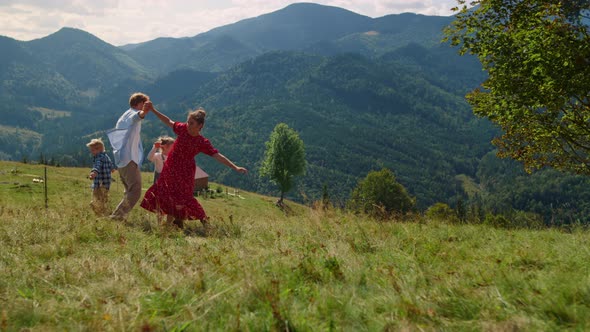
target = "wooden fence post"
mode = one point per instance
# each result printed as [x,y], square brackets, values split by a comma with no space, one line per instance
[45,187]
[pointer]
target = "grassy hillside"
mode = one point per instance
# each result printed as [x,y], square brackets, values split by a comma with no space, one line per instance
[260,269]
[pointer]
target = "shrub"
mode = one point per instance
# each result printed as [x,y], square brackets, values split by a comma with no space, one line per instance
[515,219]
[380,195]
[442,212]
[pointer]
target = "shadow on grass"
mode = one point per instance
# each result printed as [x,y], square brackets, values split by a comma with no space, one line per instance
[191,229]
[218,227]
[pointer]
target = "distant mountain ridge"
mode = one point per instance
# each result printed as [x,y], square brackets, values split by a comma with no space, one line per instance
[85,60]
[65,70]
[306,27]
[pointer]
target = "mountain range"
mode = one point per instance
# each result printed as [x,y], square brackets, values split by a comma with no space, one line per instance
[363,93]
[303,27]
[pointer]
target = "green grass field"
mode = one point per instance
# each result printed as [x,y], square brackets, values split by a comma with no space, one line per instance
[261,269]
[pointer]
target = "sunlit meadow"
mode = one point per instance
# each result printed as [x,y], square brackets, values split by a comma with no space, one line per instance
[263,269]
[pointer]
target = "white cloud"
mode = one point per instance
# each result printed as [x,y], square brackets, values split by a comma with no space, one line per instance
[130,21]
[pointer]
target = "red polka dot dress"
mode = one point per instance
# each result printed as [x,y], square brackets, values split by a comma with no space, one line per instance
[172,194]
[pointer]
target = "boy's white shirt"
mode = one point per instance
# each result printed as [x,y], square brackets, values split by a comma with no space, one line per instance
[125,139]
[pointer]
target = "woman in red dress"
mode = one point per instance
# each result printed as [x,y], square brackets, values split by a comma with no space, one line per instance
[172,194]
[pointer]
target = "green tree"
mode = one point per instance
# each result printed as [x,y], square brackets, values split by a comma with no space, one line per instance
[284,158]
[537,56]
[379,195]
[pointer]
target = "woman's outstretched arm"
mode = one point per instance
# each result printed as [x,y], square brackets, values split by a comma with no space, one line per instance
[223,159]
[163,117]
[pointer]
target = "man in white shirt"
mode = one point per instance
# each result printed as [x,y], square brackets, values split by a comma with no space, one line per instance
[128,151]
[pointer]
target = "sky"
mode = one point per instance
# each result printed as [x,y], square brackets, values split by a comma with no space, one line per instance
[121,22]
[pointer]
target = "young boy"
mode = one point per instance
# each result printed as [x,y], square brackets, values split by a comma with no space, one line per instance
[128,152]
[101,174]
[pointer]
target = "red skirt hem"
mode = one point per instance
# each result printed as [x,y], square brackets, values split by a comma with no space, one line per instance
[190,209]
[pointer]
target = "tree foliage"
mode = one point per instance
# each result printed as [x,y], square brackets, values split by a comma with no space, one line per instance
[380,195]
[537,55]
[284,158]
[559,198]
